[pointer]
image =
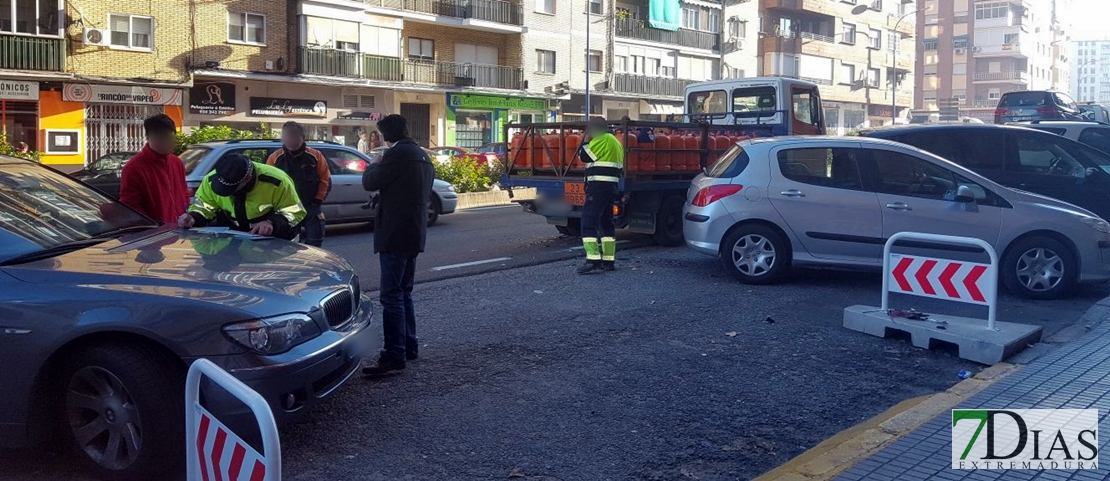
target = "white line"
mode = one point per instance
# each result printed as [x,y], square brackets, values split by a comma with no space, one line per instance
[468,264]
[488,207]
[572,249]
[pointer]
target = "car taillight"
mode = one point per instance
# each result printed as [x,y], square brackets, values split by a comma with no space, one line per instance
[1000,112]
[714,193]
[1046,110]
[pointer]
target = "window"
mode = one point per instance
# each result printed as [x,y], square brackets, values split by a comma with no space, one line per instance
[975,149]
[691,18]
[421,49]
[545,61]
[594,7]
[848,33]
[960,95]
[805,108]
[737,28]
[621,64]
[1042,154]
[653,66]
[31,17]
[875,41]
[1009,38]
[986,11]
[593,60]
[959,42]
[545,6]
[131,31]
[929,44]
[714,21]
[834,168]
[344,162]
[246,28]
[707,102]
[901,174]
[754,99]
[959,69]
[873,77]
[1097,137]
[847,74]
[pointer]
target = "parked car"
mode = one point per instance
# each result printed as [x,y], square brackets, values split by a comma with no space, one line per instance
[444,153]
[492,153]
[1029,105]
[104,172]
[1094,134]
[444,198]
[104,311]
[770,204]
[1019,158]
[1094,112]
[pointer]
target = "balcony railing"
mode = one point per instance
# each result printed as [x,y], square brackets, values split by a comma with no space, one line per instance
[638,29]
[32,53]
[358,65]
[639,84]
[489,10]
[1011,75]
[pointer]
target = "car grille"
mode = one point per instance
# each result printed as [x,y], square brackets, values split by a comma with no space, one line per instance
[340,307]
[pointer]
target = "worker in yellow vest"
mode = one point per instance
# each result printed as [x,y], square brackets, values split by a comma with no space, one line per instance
[604,159]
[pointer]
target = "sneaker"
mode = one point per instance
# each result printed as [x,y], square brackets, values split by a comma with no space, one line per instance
[383,368]
[610,266]
[589,267]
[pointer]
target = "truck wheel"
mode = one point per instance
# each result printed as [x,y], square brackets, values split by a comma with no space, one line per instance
[755,254]
[668,222]
[572,229]
[1039,268]
[123,406]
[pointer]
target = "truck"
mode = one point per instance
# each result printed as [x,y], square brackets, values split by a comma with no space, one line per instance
[661,158]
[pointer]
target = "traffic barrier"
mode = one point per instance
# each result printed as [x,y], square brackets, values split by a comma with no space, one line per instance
[965,282]
[213,451]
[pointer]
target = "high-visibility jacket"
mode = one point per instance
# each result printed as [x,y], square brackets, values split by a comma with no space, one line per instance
[272,197]
[604,158]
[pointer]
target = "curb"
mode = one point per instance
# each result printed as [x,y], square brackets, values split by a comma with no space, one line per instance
[471,200]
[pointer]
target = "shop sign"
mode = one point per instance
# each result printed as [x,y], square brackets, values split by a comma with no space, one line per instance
[212,98]
[272,107]
[120,94]
[490,102]
[17,90]
[364,116]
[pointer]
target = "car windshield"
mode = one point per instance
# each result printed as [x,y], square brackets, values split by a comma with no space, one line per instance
[110,162]
[192,158]
[1022,99]
[42,209]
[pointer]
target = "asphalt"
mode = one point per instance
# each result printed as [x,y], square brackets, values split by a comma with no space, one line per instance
[664,370]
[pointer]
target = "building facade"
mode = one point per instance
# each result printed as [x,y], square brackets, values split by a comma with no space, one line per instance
[1090,73]
[858,52]
[972,52]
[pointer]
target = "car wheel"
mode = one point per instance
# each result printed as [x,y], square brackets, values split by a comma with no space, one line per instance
[572,229]
[124,407]
[1039,268]
[668,222]
[433,211]
[755,254]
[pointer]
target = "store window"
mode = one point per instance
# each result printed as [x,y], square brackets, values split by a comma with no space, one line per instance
[20,123]
[473,129]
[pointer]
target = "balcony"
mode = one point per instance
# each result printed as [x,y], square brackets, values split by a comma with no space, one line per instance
[823,7]
[639,30]
[495,11]
[339,63]
[1011,76]
[32,53]
[639,84]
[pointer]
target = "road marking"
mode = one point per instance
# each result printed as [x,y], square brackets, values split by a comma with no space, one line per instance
[468,264]
[572,249]
[488,207]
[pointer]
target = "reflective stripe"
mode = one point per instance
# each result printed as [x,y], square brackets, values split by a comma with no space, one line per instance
[589,152]
[603,171]
[589,239]
[603,178]
[290,213]
[603,163]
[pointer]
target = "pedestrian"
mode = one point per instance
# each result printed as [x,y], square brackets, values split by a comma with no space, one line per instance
[375,140]
[604,159]
[23,148]
[363,141]
[310,173]
[238,186]
[403,180]
[153,181]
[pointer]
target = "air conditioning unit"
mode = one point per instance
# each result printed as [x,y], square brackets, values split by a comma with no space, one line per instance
[976,49]
[959,51]
[738,44]
[95,37]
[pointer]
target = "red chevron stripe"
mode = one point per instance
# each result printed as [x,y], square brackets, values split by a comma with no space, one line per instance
[259,472]
[202,436]
[923,279]
[946,279]
[900,274]
[236,465]
[972,279]
[218,452]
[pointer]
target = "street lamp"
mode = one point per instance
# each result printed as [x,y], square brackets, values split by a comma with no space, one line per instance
[894,64]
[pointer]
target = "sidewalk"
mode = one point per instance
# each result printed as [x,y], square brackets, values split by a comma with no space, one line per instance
[1074,376]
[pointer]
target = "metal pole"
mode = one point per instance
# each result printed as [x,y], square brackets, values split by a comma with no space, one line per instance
[588,21]
[894,73]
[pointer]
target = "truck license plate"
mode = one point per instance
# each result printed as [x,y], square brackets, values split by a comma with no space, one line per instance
[575,193]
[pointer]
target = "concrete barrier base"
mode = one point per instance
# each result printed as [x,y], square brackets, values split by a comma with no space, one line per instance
[971,336]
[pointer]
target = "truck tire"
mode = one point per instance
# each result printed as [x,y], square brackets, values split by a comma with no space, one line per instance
[668,222]
[1039,267]
[755,254]
[572,229]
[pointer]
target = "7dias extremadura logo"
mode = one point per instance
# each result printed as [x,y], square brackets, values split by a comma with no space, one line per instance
[1025,439]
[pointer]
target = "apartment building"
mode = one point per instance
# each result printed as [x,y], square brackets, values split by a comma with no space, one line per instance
[636,66]
[1090,71]
[858,51]
[972,52]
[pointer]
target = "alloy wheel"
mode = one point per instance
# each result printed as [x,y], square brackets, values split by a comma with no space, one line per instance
[103,418]
[1040,269]
[753,255]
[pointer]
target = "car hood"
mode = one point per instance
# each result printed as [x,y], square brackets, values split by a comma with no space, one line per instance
[264,276]
[1044,202]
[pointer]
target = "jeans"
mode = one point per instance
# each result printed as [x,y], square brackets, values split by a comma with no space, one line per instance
[597,214]
[312,228]
[398,316]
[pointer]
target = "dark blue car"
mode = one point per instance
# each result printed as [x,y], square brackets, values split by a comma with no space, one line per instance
[1030,105]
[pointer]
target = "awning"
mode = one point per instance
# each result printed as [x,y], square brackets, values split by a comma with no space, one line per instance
[656,108]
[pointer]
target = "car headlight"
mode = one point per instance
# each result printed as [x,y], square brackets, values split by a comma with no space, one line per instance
[273,335]
[451,187]
[1096,224]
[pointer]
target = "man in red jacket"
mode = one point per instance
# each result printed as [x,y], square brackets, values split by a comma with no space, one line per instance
[153,181]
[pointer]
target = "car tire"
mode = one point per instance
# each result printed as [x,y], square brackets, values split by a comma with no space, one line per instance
[755,254]
[433,210]
[1039,267]
[129,397]
[668,222]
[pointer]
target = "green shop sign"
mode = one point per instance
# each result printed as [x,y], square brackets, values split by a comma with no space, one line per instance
[490,102]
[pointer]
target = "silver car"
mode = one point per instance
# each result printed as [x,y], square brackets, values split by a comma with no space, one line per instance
[769,204]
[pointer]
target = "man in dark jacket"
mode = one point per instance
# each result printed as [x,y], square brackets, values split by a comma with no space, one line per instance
[310,173]
[403,179]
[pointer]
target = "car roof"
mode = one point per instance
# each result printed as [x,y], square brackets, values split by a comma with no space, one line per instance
[914,128]
[770,142]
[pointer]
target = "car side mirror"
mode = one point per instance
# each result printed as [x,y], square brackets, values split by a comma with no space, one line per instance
[965,195]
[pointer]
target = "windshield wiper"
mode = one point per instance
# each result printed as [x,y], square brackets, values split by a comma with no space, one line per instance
[52,251]
[123,230]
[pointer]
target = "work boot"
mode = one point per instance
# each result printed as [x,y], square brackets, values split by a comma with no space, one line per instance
[411,353]
[609,266]
[386,366]
[590,267]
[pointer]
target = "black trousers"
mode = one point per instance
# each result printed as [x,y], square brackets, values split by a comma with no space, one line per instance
[398,316]
[597,214]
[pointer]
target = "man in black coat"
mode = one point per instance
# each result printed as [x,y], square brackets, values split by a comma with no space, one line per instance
[403,180]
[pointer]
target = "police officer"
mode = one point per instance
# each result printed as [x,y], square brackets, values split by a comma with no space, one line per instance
[604,159]
[246,196]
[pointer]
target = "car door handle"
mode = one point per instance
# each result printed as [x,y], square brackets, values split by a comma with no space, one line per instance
[792,193]
[899,206]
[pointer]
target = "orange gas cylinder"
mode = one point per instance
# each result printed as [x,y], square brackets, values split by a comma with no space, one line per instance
[646,159]
[552,151]
[535,145]
[721,143]
[571,142]
[632,159]
[663,155]
[692,159]
[518,153]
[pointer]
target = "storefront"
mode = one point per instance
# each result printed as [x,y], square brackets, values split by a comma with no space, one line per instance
[19,113]
[474,120]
